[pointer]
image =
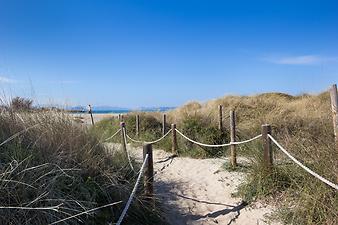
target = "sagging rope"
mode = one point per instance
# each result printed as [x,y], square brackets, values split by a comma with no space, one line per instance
[160,139]
[219,145]
[125,142]
[133,191]
[149,142]
[133,140]
[113,135]
[335,186]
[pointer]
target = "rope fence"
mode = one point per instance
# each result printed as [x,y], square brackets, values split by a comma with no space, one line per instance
[218,145]
[125,147]
[118,131]
[124,212]
[147,165]
[267,148]
[335,186]
[149,142]
[133,140]
[265,136]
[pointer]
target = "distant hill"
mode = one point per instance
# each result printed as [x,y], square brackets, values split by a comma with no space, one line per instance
[114,109]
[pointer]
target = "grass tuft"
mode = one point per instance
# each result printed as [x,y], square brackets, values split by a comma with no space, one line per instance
[51,168]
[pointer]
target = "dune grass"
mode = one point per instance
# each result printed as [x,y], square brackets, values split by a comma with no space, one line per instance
[51,169]
[302,124]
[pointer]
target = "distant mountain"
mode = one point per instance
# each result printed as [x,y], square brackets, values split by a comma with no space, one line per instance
[104,107]
[97,108]
[155,109]
[114,109]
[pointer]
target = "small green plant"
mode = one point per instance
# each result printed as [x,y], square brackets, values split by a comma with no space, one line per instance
[201,129]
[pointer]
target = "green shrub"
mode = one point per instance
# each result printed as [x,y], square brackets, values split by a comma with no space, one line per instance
[200,129]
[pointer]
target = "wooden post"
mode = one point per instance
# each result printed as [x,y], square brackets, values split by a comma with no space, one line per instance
[233,137]
[148,171]
[164,122]
[120,117]
[123,143]
[220,117]
[137,125]
[174,139]
[91,114]
[334,107]
[268,161]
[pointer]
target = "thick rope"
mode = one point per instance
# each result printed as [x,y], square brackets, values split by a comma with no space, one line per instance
[246,141]
[158,140]
[335,186]
[113,135]
[133,140]
[220,145]
[149,142]
[133,192]
[125,142]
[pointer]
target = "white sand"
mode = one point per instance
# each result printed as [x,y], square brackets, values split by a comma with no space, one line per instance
[86,119]
[198,192]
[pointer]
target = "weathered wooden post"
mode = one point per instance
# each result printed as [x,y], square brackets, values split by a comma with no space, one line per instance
[120,117]
[137,125]
[334,107]
[220,117]
[164,122]
[174,139]
[268,161]
[123,137]
[148,171]
[91,113]
[233,138]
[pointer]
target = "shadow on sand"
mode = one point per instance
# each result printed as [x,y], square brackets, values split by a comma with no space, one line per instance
[167,193]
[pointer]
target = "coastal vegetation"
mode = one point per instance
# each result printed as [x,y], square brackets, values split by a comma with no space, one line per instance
[302,124]
[52,169]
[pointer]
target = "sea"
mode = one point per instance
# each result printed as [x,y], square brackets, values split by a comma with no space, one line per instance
[122,111]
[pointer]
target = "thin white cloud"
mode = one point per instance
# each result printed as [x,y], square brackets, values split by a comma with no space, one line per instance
[6,80]
[301,60]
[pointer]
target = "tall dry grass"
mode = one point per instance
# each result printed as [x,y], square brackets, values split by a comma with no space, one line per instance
[51,169]
[303,125]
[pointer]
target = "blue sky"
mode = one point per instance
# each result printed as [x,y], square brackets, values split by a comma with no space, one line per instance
[156,53]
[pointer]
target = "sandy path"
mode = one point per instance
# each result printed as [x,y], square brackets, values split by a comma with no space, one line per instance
[86,119]
[198,192]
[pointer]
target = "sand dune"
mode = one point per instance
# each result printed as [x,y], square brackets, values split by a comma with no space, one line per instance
[199,192]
